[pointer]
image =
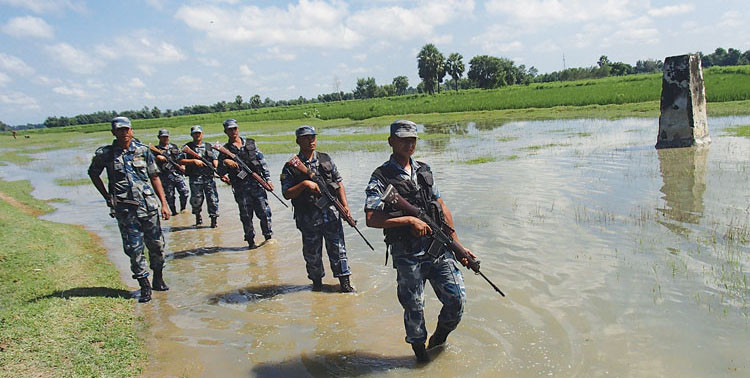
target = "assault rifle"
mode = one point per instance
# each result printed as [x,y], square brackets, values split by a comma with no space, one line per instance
[245,170]
[328,197]
[170,160]
[440,237]
[195,155]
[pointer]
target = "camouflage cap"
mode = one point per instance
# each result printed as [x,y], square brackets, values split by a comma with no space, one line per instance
[404,129]
[163,132]
[196,129]
[305,130]
[230,123]
[120,122]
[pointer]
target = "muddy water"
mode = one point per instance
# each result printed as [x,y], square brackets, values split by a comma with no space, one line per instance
[617,259]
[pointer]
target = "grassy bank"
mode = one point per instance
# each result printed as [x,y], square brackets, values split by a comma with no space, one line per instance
[63,309]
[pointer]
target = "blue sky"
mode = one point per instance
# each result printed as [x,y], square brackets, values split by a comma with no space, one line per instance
[67,57]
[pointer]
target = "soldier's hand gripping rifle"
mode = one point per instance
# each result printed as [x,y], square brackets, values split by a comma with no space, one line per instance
[170,160]
[195,155]
[328,197]
[441,238]
[245,170]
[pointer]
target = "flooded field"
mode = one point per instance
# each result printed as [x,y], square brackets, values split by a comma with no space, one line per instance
[617,260]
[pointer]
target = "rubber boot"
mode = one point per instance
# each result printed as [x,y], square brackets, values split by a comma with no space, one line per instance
[183,202]
[198,220]
[213,222]
[346,286]
[317,285]
[251,244]
[438,338]
[173,209]
[421,353]
[158,282]
[145,290]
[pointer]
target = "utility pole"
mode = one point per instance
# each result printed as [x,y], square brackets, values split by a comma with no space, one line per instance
[564,62]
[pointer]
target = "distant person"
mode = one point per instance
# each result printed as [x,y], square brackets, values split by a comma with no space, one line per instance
[315,223]
[171,174]
[201,176]
[250,196]
[134,195]
[14,134]
[408,238]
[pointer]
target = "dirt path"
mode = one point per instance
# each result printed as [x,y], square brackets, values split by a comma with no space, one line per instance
[19,205]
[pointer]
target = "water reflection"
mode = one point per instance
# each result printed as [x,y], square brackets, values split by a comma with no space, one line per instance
[683,171]
[343,364]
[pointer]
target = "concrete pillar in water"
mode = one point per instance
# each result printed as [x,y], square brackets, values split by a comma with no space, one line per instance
[683,104]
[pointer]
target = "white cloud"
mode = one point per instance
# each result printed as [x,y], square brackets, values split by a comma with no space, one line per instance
[4,79]
[187,81]
[15,65]
[45,80]
[67,91]
[310,23]
[156,4]
[671,10]
[142,48]
[498,38]
[148,96]
[731,19]
[28,26]
[18,99]
[360,57]
[547,12]
[73,59]
[47,6]
[136,83]
[276,54]
[209,62]
[246,71]
[405,24]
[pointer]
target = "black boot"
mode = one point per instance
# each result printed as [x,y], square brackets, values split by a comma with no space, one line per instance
[438,338]
[159,284]
[213,222]
[173,209]
[198,220]
[183,202]
[251,244]
[420,353]
[145,290]
[346,286]
[317,285]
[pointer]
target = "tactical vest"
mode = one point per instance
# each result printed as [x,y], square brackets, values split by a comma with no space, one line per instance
[306,200]
[248,153]
[117,173]
[421,198]
[170,151]
[192,170]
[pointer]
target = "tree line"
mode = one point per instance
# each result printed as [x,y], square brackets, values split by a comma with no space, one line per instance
[434,68]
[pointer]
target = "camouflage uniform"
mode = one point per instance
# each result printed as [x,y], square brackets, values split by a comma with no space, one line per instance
[171,177]
[317,224]
[413,265]
[248,193]
[201,180]
[136,205]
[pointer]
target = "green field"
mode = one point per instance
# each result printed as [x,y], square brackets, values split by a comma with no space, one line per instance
[547,100]
[63,309]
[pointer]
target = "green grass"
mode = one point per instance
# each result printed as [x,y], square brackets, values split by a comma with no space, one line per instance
[538,147]
[723,84]
[62,305]
[480,160]
[507,139]
[73,181]
[740,131]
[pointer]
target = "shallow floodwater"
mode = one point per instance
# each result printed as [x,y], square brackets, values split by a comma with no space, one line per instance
[617,260]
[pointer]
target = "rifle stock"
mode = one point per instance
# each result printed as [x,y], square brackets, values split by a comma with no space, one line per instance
[391,197]
[244,167]
[297,163]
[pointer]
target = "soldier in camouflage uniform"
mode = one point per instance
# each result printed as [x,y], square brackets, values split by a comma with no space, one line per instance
[248,193]
[408,239]
[315,223]
[201,177]
[134,202]
[171,174]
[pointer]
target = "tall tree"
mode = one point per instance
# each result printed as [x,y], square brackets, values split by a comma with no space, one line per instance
[455,67]
[3,126]
[401,83]
[238,101]
[255,101]
[431,66]
[366,88]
